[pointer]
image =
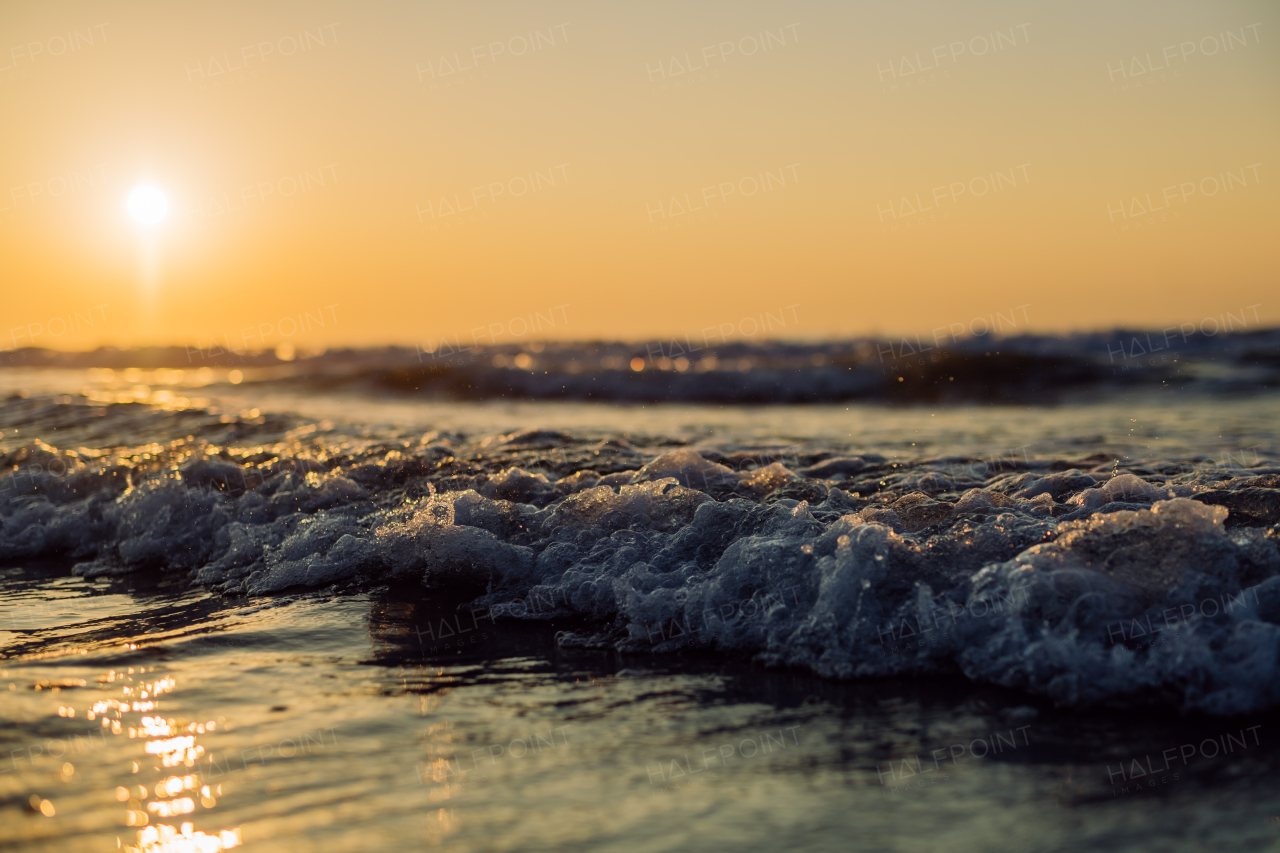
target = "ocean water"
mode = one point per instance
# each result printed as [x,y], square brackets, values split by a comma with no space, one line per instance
[287,611]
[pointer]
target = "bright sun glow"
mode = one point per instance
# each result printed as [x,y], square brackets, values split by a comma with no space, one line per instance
[148,205]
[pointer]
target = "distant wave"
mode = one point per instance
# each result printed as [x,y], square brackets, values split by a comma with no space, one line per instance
[1029,368]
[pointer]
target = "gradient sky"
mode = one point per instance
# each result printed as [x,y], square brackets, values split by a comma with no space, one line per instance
[1077,174]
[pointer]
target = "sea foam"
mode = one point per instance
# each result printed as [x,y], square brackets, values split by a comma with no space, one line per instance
[1073,580]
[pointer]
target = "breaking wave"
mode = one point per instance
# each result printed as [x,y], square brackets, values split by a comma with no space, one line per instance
[1074,579]
[944,367]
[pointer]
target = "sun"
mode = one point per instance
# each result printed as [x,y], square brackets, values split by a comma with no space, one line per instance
[147,205]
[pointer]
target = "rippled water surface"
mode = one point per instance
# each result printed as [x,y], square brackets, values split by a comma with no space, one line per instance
[311,722]
[140,712]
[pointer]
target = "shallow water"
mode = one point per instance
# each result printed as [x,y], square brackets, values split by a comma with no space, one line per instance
[1141,425]
[367,715]
[336,730]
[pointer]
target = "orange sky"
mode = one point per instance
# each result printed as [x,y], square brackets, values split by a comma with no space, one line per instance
[405,172]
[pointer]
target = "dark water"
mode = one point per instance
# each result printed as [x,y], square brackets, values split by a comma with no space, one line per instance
[340,723]
[337,728]
[354,621]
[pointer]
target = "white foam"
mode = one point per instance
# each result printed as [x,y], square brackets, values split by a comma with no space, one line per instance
[1020,582]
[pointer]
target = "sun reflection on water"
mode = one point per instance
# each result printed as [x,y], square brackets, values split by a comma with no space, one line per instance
[172,744]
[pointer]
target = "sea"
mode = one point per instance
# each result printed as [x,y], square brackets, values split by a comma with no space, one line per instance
[1017,594]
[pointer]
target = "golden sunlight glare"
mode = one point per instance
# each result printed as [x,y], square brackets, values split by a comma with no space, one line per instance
[148,205]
